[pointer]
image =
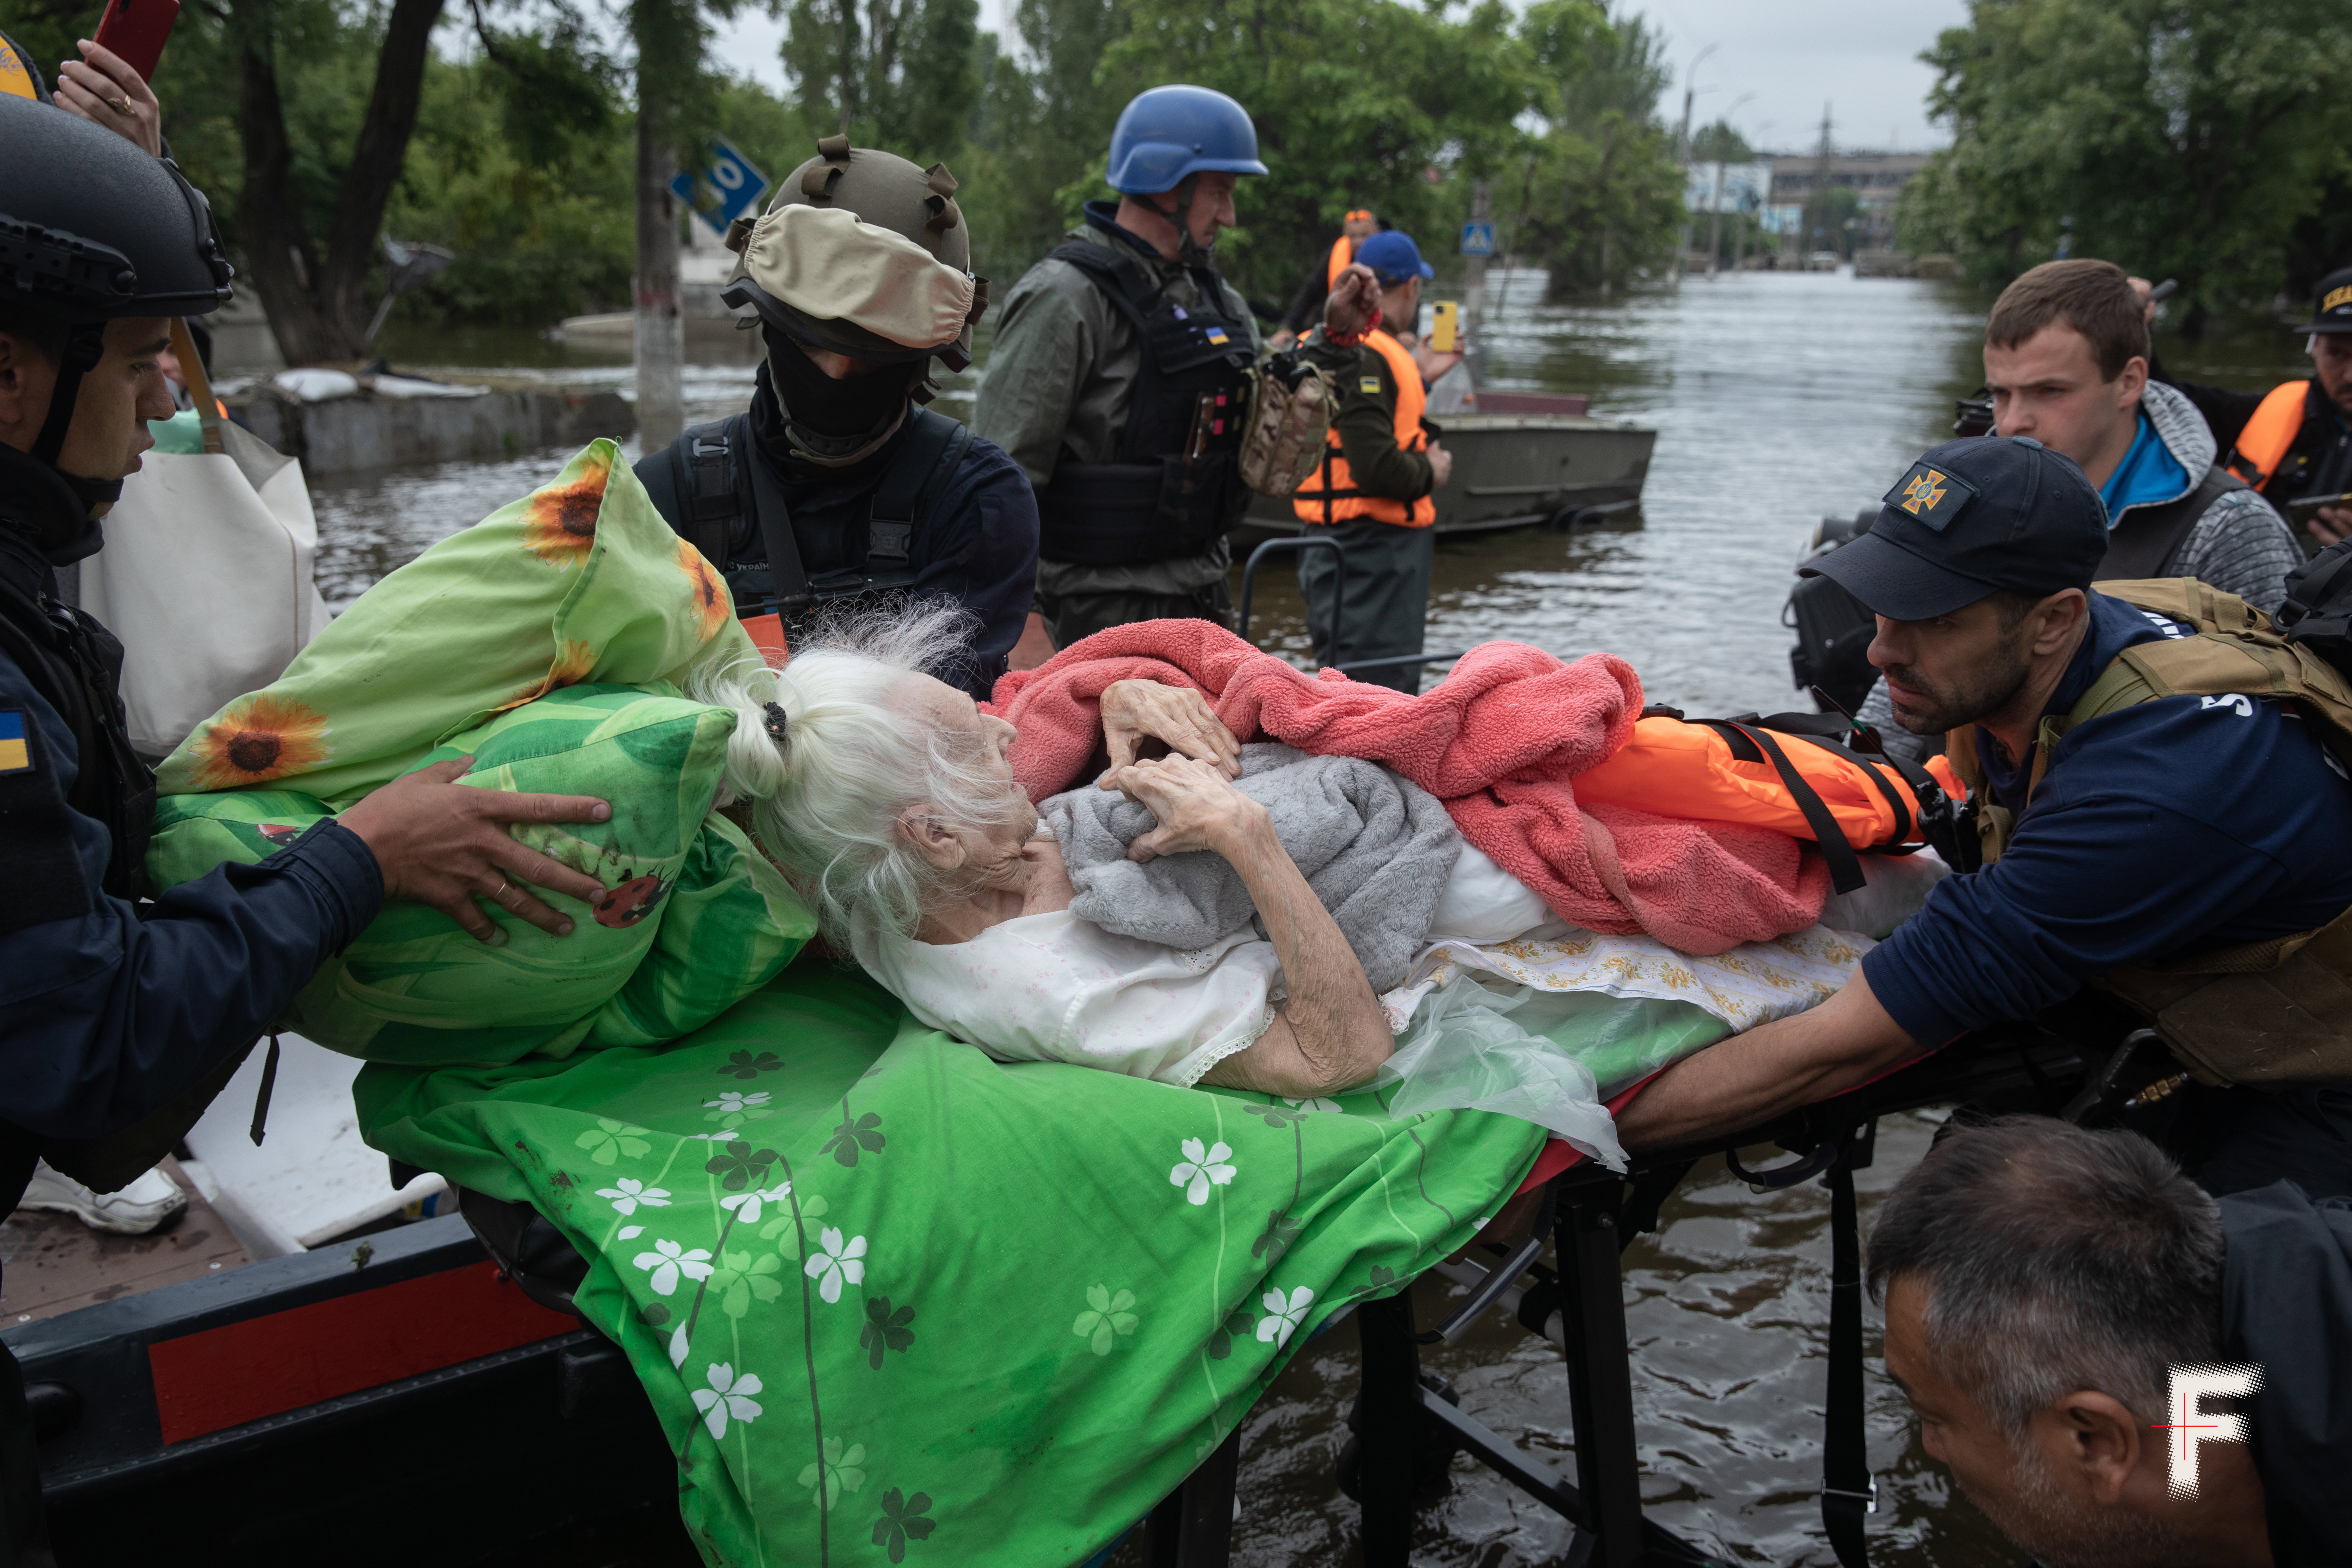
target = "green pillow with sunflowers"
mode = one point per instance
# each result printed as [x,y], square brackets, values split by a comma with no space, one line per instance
[548,644]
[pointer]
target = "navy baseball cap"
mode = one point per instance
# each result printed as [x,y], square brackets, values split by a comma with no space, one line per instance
[1394,257]
[1972,518]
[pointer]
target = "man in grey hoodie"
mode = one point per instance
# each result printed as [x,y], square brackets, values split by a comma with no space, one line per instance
[2066,355]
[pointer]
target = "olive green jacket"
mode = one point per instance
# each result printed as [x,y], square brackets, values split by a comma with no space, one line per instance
[1060,375]
[1366,421]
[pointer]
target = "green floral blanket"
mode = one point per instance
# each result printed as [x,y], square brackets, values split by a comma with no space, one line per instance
[895,1302]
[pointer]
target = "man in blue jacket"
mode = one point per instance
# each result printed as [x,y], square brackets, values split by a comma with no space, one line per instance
[117,1011]
[2160,831]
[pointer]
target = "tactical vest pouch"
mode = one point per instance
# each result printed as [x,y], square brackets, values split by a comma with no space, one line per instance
[2270,1014]
[1289,419]
[1116,514]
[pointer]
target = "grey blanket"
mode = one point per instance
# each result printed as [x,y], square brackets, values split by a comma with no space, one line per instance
[1375,848]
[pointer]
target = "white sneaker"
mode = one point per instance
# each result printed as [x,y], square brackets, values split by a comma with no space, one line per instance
[144,1208]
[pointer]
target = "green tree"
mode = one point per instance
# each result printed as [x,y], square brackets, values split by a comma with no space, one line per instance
[1356,102]
[2185,139]
[900,75]
[1601,197]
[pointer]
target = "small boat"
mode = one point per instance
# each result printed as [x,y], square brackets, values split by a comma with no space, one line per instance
[1521,459]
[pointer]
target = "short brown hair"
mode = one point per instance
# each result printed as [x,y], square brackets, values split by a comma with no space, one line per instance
[2091,296]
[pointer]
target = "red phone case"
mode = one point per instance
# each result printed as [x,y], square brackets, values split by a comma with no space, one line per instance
[136,30]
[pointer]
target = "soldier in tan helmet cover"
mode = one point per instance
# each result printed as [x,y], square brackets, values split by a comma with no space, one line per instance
[837,481]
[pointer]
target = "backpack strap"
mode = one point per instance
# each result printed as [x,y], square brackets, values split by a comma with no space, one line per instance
[709,486]
[934,450]
[1121,280]
[1845,866]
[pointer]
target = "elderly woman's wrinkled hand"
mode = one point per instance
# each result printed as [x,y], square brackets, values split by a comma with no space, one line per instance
[1197,805]
[1177,716]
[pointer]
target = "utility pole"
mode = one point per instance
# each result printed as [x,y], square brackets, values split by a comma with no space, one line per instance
[669,42]
[1819,228]
[1682,155]
[1482,210]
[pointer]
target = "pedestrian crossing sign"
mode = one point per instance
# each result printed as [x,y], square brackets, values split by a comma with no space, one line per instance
[1477,239]
[15,755]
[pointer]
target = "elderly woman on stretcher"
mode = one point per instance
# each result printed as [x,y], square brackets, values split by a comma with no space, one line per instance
[1205,911]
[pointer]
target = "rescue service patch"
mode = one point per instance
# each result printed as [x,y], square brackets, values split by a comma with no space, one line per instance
[2336,296]
[1931,495]
[1370,384]
[16,756]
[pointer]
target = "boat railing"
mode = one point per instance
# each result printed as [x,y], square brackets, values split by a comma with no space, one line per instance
[1300,543]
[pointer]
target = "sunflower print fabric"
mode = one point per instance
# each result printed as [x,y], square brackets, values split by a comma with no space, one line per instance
[581,580]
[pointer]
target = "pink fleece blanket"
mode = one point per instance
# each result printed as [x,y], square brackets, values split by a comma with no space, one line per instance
[1500,742]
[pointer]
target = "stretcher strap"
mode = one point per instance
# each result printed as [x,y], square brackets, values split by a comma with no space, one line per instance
[1845,866]
[1847,1490]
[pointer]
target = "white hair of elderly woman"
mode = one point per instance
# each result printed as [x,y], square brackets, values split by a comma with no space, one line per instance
[826,799]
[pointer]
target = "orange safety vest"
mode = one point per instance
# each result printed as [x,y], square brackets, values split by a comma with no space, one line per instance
[1343,252]
[1330,493]
[2267,435]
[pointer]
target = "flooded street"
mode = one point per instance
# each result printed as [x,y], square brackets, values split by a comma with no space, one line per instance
[1777,397]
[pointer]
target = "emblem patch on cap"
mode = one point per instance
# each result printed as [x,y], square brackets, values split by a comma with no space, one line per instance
[2336,296]
[1931,495]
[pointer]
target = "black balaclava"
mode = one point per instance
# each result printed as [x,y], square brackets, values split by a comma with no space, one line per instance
[801,415]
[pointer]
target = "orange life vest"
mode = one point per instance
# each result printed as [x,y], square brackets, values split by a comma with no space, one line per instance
[1680,768]
[2267,435]
[1343,251]
[1330,493]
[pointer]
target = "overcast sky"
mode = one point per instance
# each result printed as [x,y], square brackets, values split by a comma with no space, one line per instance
[1860,54]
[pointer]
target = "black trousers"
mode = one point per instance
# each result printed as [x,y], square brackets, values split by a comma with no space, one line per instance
[1069,617]
[1383,597]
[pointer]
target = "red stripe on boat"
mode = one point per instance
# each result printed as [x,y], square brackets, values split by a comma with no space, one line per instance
[263,1366]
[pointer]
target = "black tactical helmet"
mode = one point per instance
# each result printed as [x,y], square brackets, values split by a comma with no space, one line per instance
[92,228]
[888,192]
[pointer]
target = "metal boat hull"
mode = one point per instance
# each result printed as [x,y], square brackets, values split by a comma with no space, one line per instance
[1511,470]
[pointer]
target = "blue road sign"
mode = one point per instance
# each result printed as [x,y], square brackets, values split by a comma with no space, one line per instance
[1477,239]
[728,189]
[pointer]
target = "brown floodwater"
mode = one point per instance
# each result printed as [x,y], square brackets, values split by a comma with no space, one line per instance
[1777,397]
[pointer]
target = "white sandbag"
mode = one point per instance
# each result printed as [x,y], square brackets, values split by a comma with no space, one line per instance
[206,578]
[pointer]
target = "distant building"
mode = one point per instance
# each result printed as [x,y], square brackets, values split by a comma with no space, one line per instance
[1876,179]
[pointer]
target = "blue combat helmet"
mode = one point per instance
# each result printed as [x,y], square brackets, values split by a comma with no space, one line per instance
[1168,133]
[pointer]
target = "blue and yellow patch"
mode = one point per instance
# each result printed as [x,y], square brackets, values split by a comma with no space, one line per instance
[1369,386]
[1931,495]
[1217,336]
[15,752]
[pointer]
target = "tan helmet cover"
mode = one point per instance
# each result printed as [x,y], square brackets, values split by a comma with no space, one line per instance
[830,264]
[867,254]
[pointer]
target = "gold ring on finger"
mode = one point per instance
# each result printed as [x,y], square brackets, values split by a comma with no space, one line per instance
[119,105]
[504,889]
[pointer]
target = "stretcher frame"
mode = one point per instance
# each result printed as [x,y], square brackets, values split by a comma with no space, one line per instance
[1406,1426]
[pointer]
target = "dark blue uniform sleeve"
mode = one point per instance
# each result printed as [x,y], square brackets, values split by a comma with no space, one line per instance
[2175,827]
[106,1016]
[997,577]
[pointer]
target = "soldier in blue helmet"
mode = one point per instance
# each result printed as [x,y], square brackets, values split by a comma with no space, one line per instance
[1119,377]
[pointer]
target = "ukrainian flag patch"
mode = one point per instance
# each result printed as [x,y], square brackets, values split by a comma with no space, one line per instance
[1217,336]
[15,754]
[1370,383]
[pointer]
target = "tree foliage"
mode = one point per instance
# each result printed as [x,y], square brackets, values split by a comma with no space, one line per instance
[1601,197]
[2183,138]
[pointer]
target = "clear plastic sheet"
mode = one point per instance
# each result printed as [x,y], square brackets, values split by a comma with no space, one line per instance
[1549,1058]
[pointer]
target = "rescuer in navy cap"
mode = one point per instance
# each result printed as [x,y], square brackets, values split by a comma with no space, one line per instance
[1986,515]
[2132,828]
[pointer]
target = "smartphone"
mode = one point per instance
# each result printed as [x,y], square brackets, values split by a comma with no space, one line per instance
[2305,510]
[136,31]
[1444,326]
